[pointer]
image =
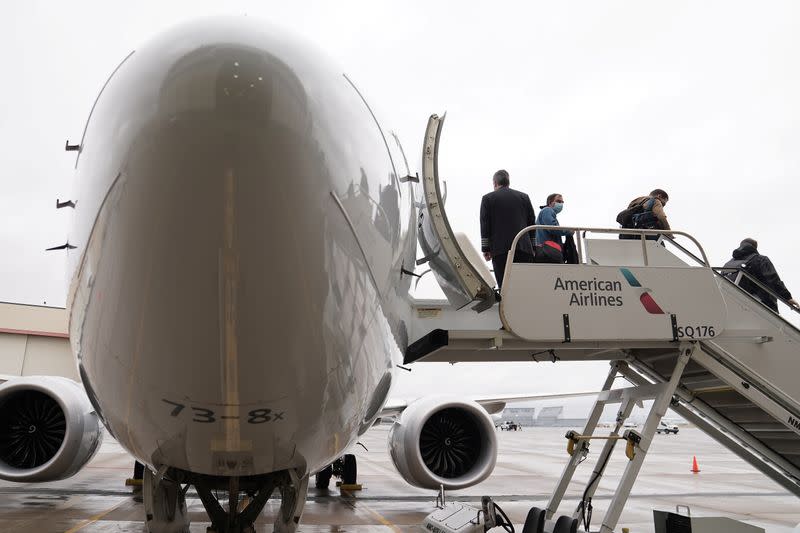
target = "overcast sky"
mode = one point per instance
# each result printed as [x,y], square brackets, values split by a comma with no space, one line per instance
[600,101]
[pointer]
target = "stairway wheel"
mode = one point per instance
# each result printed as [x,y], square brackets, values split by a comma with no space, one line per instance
[566,524]
[534,523]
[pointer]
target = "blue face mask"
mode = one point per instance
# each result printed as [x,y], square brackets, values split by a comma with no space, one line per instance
[557,207]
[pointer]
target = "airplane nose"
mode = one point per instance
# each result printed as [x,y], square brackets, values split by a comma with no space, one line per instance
[241,217]
[240,90]
[217,221]
[233,193]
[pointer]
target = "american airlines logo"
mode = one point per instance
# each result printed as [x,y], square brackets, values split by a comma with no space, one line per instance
[648,302]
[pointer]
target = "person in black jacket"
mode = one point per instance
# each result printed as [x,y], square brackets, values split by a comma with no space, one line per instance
[504,212]
[747,258]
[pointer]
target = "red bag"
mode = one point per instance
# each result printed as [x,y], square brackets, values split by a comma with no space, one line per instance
[549,252]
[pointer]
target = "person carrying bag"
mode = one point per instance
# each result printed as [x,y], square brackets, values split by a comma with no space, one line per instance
[549,243]
[645,212]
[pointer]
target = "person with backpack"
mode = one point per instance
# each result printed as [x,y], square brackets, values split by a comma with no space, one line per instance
[645,212]
[549,243]
[747,259]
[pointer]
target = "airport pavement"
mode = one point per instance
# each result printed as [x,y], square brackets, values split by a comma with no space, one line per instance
[529,463]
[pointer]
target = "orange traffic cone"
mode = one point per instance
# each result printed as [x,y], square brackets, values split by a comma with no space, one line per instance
[694,469]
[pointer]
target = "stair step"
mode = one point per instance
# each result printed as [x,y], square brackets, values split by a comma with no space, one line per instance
[720,398]
[706,382]
[692,370]
[784,447]
[759,428]
[775,434]
[653,357]
[745,414]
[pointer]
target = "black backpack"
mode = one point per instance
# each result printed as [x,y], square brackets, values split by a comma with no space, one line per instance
[740,264]
[646,219]
[751,265]
[625,217]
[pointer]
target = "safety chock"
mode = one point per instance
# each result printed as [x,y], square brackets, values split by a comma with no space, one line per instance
[349,487]
[131,482]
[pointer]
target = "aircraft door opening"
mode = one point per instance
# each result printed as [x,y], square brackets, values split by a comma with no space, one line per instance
[460,279]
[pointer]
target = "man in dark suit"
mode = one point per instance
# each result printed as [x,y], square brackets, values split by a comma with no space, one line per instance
[503,213]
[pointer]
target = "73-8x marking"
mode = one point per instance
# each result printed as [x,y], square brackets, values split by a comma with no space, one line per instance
[203,415]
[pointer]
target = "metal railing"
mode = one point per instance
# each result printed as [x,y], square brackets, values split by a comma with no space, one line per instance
[580,232]
[741,274]
[642,234]
[665,236]
[721,271]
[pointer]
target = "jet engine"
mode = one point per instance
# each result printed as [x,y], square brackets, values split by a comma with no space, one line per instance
[443,441]
[48,429]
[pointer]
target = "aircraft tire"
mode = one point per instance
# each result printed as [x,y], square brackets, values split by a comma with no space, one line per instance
[164,505]
[350,470]
[322,479]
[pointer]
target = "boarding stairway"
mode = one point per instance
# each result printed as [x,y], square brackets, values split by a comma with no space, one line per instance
[740,386]
[682,333]
[694,342]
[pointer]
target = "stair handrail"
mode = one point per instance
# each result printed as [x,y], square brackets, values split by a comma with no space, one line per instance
[641,233]
[720,271]
[682,248]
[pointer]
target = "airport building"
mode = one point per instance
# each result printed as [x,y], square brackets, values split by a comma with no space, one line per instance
[524,416]
[553,416]
[34,340]
[550,416]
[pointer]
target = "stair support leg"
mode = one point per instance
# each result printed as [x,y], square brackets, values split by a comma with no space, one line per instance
[608,448]
[657,411]
[583,447]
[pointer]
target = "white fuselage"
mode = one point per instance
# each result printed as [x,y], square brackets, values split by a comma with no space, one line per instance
[237,303]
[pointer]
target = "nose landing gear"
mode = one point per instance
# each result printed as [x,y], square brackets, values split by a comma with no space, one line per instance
[164,497]
[164,504]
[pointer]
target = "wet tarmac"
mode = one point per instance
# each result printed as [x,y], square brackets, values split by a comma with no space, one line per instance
[528,466]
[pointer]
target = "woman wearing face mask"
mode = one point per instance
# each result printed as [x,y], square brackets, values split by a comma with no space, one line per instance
[549,243]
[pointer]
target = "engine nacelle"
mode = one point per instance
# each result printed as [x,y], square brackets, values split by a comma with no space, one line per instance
[443,441]
[48,429]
